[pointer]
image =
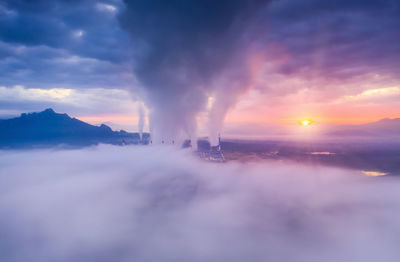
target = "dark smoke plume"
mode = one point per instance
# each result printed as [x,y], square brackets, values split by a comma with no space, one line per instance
[188,51]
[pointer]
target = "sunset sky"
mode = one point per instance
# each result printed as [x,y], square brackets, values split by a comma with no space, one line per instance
[333,62]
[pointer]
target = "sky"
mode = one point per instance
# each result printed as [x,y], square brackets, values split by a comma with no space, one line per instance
[197,64]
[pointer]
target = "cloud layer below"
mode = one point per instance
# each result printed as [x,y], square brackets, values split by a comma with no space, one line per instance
[163,204]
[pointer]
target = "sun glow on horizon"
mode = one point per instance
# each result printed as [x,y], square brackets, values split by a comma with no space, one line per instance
[305,122]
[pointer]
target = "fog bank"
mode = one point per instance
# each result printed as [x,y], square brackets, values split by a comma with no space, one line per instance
[163,204]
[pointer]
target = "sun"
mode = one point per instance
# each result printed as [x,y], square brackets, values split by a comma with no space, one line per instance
[305,122]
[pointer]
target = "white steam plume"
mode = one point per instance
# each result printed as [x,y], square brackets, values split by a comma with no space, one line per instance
[141,119]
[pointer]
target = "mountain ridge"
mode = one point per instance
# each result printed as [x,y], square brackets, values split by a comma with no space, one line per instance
[50,128]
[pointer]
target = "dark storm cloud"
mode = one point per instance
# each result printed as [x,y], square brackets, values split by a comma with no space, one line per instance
[72,43]
[317,34]
[47,67]
[53,24]
[337,38]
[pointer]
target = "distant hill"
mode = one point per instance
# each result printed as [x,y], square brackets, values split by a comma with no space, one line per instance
[48,128]
[384,127]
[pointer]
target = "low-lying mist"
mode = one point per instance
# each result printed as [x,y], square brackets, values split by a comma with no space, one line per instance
[163,204]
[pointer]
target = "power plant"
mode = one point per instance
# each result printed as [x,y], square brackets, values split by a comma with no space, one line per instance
[211,153]
[204,149]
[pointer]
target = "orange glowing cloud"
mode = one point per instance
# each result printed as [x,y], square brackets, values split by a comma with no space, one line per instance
[116,119]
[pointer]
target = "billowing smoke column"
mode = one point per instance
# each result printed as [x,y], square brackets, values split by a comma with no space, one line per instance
[141,120]
[188,51]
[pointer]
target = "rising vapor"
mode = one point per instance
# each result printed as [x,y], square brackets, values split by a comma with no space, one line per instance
[161,204]
[141,119]
[188,51]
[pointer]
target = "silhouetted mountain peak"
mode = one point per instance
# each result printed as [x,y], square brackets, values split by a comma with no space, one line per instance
[106,128]
[383,127]
[48,111]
